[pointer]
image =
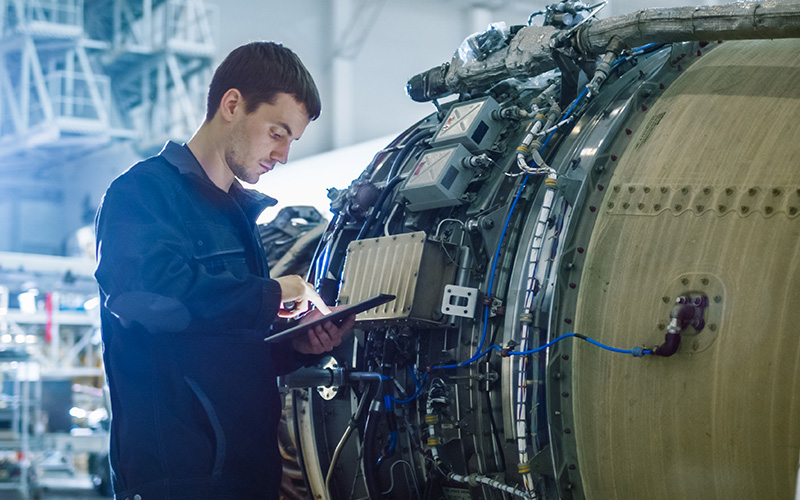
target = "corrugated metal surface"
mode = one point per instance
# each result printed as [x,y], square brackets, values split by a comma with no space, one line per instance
[405,265]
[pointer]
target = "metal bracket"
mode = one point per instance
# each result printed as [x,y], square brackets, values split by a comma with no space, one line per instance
[459,301]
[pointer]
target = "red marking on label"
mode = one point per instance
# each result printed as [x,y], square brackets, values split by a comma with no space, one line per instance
[419,167]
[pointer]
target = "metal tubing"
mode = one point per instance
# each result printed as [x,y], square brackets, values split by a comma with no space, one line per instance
[738,21]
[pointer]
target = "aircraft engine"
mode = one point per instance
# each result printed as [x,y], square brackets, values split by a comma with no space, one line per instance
[595,251]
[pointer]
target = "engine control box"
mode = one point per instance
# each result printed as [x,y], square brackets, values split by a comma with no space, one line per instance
[470,124]
[438,179]
[409,266]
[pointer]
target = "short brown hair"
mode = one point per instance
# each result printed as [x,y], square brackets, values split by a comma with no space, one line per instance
[260,71]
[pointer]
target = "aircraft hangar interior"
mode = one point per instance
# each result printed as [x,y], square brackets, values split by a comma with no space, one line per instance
[542,250]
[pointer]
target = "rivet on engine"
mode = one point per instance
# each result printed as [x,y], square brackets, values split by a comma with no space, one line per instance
[613,158]
[704,281]
[580,249]
[592,209]
[610,204]
[657,206]
[699,53]
[568,321]
[792,210]
[752,191]
[644,108]
[572,285]
[567,431]
[600,187]
[678,207]
[565,357]
[565,394]
[744,209]
[661,86]
[628,131]
[717,299]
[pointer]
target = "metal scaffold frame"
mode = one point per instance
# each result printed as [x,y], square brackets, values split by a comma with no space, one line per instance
[101,70]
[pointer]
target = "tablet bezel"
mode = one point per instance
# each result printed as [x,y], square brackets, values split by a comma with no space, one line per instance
[336,316]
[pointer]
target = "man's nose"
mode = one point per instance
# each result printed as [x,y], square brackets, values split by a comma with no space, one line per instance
[280,154]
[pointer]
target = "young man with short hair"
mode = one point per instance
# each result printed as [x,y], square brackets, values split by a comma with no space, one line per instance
[187,299]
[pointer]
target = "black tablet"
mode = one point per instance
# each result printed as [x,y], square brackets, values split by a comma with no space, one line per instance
[336,316]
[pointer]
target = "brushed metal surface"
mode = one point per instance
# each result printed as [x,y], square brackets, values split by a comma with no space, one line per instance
[721,418]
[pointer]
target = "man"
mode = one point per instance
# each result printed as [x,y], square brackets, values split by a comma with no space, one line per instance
[187,300]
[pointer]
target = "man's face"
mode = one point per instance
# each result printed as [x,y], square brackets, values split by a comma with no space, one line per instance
[260,139]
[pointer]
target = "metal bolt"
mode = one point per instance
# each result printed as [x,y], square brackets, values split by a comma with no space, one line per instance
[706,190]
[664,190]
[752,191]
[610,204]
[661,326]
[631,189]
[666,300]
[712,327]
[704,281]
[776,192]
[657,206]
[646,189]
[792,210]
[767,210]
[616,189]
[700,208]
[684,190]
[678,206]
[717,299]
[744,209]
[684,281]
[626,205]
[640,206]
[722,208]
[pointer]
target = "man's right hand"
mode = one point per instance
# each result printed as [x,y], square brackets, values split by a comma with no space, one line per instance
[296,290]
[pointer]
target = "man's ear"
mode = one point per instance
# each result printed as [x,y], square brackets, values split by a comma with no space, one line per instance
[228,103]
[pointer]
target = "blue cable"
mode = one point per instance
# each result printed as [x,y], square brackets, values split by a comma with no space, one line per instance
[413,396]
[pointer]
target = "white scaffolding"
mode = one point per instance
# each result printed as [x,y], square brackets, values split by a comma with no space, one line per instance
[101,70]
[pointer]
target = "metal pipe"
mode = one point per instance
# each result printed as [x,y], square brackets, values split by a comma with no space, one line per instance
[476,479]
[737,21]
[530,52]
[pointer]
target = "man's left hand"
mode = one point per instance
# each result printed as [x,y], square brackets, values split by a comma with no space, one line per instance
[324,337]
